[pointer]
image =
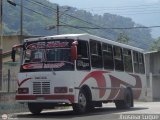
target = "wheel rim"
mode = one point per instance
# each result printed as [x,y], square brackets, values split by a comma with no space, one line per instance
[82,101]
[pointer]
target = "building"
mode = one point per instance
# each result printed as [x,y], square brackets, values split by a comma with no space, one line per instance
[153,75]
[5,57]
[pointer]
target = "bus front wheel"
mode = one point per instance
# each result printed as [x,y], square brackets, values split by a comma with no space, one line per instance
[84,102]
[35,108]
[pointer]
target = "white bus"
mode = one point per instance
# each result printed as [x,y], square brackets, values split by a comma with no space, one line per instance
[79,70]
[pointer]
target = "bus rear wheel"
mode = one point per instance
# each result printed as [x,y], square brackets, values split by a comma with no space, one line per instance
[35,108]
[127,102]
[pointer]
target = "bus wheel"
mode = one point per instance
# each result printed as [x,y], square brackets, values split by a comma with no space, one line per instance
[127,102]
[34,108]
[84,103]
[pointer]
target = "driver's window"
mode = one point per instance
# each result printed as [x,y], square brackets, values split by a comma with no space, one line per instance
[27,56]
[36,56]
[33,56]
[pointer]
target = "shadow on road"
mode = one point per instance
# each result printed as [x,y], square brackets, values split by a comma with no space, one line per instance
[70,114]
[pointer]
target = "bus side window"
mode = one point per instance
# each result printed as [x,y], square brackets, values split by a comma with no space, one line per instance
[118,58]
[83,61]
[127,57]
[136,62]
[107,56]
[96,54]
[82,49]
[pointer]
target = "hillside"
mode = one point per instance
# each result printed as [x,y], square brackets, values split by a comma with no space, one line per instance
[36,24]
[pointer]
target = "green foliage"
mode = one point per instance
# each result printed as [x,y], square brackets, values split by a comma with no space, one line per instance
[156,45]
[123,38]
[35,24]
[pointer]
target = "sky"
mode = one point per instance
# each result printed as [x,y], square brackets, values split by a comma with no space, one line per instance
[145,12]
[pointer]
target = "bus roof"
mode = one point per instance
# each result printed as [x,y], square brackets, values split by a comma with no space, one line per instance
[85,37]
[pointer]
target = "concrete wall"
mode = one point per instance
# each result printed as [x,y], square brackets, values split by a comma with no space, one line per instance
[0,69]
[153,74]
[156,86]
[155,63]
[9,41]
[147,61]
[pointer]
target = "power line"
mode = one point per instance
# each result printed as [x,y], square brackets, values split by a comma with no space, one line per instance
[49,17]
[124,7]
[33,11]
[126,10]
[65,13]
[48,7]
[41,4]
[138,27]
[51,8]
[144,11]
[78,27]
[127,13]
[99,27]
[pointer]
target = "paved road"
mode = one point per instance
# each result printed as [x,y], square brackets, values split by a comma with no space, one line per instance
[141,111]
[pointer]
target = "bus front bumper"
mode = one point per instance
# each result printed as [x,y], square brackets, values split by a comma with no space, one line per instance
[69,99]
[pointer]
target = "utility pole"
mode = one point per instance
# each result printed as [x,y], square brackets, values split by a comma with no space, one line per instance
[1,42]
[1,23]
[57,20]
[21,21]
[21,16]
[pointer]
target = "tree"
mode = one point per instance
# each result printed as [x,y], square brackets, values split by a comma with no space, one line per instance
[123,38]
[156,45]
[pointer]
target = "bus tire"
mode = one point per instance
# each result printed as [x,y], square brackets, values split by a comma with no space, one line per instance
[35,108]
[127,102]
[84,102]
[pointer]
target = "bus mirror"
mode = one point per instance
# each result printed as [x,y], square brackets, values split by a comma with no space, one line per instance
[74,51]
[13,54]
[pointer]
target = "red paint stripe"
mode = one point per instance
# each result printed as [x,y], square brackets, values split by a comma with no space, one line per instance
[19,84]
[46,97]
[100,79]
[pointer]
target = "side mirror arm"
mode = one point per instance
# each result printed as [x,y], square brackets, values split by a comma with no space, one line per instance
[74,50]
[13,54]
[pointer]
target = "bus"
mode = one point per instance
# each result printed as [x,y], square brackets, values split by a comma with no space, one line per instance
[80,70]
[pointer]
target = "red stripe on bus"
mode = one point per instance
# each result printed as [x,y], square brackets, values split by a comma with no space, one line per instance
[116,82]
[100,79]
[20,83]
[46,97]
[137,92]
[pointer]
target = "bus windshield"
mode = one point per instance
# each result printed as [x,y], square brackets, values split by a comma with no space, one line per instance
[47,55]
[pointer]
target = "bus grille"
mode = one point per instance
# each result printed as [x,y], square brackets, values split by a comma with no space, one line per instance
[41,87]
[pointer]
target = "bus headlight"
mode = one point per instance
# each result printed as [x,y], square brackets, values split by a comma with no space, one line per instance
[60,90]
[23,90]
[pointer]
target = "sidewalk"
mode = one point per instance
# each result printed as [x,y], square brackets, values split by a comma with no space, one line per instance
[9,105]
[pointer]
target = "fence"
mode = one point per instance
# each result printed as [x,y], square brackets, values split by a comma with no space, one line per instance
[9,86]
[10,72]
[153,84]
